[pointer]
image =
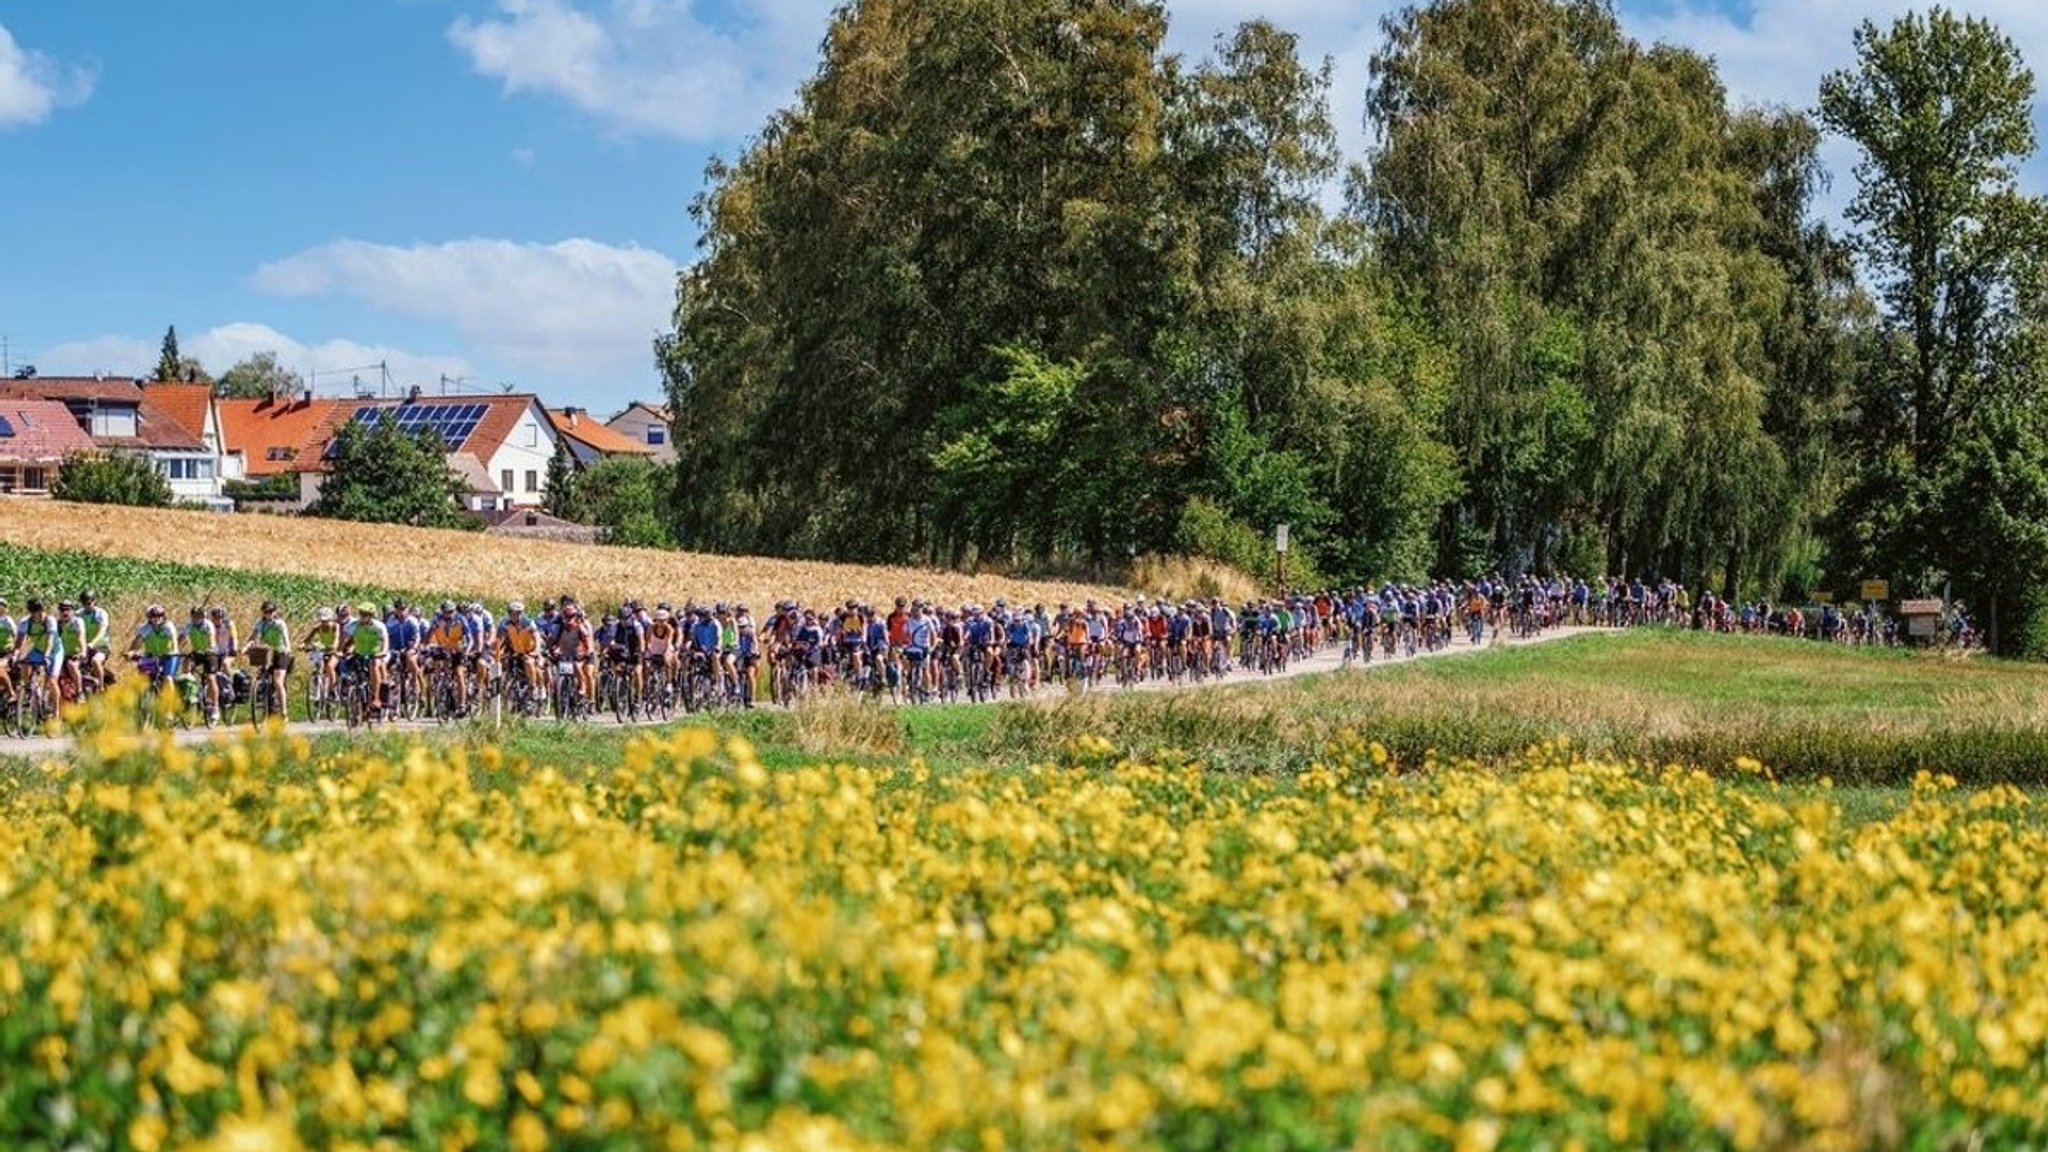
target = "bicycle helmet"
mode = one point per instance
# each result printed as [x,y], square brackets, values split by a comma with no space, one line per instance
[515,607]
[324,615]
[447,606]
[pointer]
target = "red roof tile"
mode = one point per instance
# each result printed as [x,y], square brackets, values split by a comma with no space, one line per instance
[156,428]
[275,437]
[40,431]
[72,388]
[184,403]
[585,428]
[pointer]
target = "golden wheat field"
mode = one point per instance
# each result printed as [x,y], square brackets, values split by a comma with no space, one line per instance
[471,563]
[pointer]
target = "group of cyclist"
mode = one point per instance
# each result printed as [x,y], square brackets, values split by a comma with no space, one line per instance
[708,654]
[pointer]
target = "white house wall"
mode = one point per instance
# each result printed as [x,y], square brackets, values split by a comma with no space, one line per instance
[528,448]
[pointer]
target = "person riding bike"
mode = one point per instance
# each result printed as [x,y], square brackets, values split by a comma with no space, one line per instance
[448,644]
[369,645]
[200,660]
[270,651]
[519,647]
[99,644]
[154,648]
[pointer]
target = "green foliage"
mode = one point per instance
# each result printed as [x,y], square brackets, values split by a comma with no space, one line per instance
[1951,489]
[559,497]
[171,364]
[1620,267]
[1207,530]
[283,486]
[624,495]
[381,474]
[999,472]
[111,478]
[258,376]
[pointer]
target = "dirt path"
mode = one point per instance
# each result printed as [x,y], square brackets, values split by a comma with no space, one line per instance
[1330,660]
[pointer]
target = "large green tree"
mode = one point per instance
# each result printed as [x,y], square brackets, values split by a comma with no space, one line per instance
[1618,262]
[172,364]
[381,473]
[1952,411]
[1009,284]
[257,376]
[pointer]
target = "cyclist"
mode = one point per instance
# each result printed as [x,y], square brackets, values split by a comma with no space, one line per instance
[199,643]
[749,643]
[10,635]
[920,636]
[98,636]
[323,643]
[270,651]
[448,643]
[70,652]
[407,634]
[518,646]
[483,648]
[154,649]
[979,631]
[369,649]
[1021,638]
[573,645]
[36,650]
[227,644]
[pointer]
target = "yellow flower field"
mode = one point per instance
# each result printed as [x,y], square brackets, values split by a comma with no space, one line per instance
[242,948]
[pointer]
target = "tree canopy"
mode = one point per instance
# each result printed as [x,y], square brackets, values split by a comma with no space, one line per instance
[258,376]
[381,473]
[112,478]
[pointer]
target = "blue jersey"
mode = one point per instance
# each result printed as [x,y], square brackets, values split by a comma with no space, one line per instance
[405,632]
[705,635]
[980,631]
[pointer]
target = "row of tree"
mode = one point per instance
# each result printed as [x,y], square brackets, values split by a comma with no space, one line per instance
[1009,284]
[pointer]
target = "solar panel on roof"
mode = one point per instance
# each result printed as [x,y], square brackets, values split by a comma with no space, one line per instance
[6,429]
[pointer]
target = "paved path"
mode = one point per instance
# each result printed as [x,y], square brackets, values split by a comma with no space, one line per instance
[1329,660]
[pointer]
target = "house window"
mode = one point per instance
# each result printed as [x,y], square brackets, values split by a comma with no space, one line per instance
[532,480]
[656,434]
[175,469]
[204,469]
[32,479]
[505,481]
[281,453]
[532,434]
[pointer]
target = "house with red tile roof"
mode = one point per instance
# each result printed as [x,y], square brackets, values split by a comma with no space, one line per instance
[507,438]
[647,424]
[36,436]
[268,436]
[169,423]
[588,440]
[181,427]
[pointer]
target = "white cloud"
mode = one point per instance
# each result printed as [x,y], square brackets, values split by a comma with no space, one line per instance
[329,365]
[577,309]
[651,67]
[32,85]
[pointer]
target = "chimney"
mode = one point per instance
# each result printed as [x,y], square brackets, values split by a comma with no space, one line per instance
[574,415]
[412,394]
[306,397]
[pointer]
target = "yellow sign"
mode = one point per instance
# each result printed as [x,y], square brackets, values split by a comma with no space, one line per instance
[1823,597]
[1877,590]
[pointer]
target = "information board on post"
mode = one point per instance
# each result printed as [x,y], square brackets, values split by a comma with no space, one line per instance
[1877,590]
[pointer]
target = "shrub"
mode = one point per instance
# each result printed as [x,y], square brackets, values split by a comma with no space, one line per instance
[111,478]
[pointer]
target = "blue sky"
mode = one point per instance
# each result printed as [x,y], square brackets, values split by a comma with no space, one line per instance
[494,191]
